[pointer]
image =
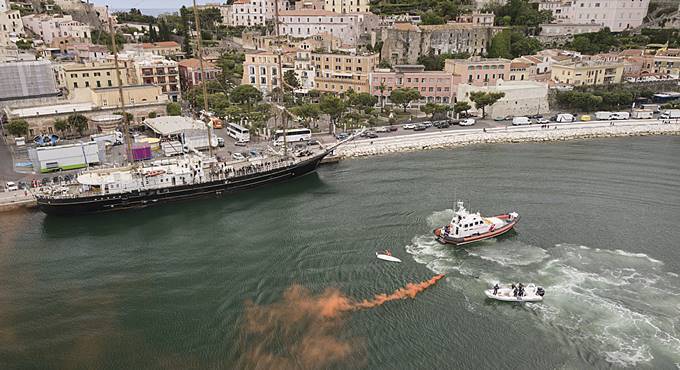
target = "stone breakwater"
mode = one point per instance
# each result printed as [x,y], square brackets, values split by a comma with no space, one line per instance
[455,138]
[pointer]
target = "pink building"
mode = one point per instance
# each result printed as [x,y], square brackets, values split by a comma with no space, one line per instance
[478,71]
[190,72]
[434,86]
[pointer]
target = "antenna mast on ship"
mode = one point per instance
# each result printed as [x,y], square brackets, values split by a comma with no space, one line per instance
[126,122]
[284,113]
[199,54]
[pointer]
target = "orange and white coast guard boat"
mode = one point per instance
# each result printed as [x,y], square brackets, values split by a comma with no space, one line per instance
[466,227]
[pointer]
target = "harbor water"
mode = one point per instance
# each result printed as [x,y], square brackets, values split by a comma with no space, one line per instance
[246,281]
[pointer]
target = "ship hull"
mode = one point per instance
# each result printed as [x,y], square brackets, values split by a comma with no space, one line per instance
[145,198]
[440,237]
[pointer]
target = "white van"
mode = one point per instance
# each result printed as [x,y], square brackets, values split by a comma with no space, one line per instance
[565,117]
[518,121]
[620,115]
[603,115]
[643,114]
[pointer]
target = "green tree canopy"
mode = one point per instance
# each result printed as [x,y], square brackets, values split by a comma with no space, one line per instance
[246,94]
[306,112]
[485,99]
[461,106]
[61,125]
[404,97]
[78,122]
[291,79]
[173,109]
[434,109]
[363,101]
[334,106]
[17,127]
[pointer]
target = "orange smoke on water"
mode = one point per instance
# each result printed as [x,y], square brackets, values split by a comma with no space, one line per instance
[409,291]
[301,331]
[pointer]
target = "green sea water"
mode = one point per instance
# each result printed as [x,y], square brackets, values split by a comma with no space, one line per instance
[202,284]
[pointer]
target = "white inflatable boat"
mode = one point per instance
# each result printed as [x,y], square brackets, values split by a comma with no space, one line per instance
[511,293]
[387,257]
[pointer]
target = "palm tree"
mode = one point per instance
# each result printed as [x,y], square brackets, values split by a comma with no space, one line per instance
[382,89]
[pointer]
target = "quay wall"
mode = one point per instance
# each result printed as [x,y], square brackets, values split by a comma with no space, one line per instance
[519,134]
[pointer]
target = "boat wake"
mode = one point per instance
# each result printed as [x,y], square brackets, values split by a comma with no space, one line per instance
[619,305]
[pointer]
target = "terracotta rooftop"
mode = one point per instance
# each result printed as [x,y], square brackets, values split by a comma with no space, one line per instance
[195,64]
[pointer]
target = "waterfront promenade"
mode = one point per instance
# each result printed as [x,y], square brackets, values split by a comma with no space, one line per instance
[11,200]
[510,134]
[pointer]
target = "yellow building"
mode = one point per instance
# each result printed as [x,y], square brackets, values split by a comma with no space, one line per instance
[93,74]
[588,73]
[339,72]
[137,95]
[346,6]
[261,69]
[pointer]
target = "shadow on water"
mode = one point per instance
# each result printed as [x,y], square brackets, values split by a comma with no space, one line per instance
[110,223]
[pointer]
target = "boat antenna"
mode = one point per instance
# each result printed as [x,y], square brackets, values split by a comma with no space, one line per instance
[126,121]
[279,54]
[199,54]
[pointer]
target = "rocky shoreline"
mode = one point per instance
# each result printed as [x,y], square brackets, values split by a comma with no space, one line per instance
[452,139]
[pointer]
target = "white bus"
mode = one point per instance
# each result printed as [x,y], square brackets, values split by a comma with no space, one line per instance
[293,135]
[238,132]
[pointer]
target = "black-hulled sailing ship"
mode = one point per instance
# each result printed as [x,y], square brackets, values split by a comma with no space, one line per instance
[179,178]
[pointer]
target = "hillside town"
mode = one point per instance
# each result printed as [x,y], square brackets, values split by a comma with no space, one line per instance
[72,70]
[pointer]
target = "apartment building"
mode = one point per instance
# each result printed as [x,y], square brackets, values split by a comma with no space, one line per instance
[666,62]
[261,69]
[405,42]
[434,86]
[617,15]
[155,70]
[255,12]
[588,73]
[11,24]
[169,49]
[348,27]
[305,69]
[309,4]
[347,6]
[478,71]
[49,27]
[93,74]
[339,72]
[190,73]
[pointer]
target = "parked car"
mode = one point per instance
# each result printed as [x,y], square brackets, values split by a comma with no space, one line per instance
[542,121]
[620,115]
[238,156]
[498,119]
[536,116]
[586,118]
[408,126]
[394,128]
[427,124]
[420,127]
[220,142]
[371,135]
[382,129]
[442,124]
[342,136]
[467,122]
[313,142]
[11,186]
[241,143]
